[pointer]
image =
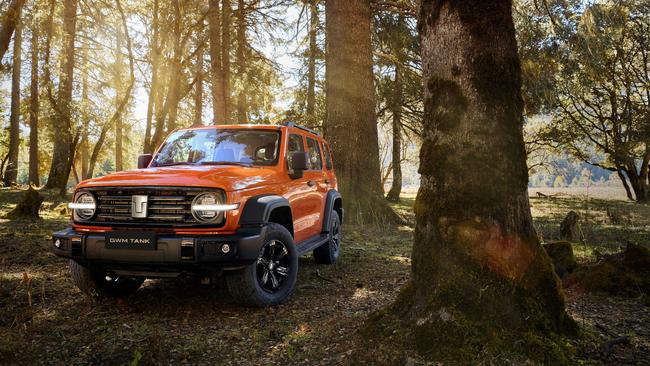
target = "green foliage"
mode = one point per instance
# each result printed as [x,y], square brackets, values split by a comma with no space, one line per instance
[586,64]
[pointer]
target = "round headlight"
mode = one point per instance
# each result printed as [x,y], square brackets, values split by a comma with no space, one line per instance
[203,207]
[84,206]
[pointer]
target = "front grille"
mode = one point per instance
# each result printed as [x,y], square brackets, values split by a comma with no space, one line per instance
[165,206]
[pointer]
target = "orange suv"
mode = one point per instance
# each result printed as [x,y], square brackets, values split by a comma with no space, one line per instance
[240,200]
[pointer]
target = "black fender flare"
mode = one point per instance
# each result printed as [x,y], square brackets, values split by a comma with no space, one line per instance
[331,198]
[257,209]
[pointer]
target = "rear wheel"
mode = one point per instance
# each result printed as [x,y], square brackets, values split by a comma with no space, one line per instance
[271,279]
[329,252]
[101,283]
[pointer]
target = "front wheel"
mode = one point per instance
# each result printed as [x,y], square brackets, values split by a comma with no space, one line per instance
[329,252]
[102,284]
[271,279]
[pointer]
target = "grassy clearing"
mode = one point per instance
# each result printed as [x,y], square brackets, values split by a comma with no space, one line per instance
[44,319]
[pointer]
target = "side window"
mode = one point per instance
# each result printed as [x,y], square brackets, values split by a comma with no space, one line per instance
[315,161]
[295,144]
[328,158]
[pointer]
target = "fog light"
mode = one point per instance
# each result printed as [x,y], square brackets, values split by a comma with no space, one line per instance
[57,243]
[225,248]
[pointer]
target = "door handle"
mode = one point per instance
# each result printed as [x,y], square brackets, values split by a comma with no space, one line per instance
[311,183]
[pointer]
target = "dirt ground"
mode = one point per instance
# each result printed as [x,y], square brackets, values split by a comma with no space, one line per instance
[44,319]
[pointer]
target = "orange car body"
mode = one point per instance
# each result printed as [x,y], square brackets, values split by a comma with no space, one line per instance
[307,195]
[189,211]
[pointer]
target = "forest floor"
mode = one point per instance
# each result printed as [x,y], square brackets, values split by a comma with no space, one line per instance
[44,319]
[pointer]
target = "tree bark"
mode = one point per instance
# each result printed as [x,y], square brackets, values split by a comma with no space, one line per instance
[119,63]
[153,91]
[480,279]
[9,20]
[351,125]
[11,172]
[311,62]
[34,178]
[242,106]
[62,124]
[218,96]
[198,86]
[396,186]
[226,10]
[176,71]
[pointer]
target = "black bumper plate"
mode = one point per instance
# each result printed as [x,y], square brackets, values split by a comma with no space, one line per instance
[140,240]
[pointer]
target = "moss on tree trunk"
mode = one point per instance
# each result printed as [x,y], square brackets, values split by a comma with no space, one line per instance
[481,282]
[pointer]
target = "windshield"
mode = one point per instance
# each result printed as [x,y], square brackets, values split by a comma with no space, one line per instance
[220,146]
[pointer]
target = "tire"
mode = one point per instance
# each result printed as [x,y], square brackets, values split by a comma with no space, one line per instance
[97,284]
[254,285]
[329,252]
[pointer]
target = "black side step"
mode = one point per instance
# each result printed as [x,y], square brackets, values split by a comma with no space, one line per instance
[311,244]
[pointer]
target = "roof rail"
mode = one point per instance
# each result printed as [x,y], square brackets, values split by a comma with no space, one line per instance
[291,124]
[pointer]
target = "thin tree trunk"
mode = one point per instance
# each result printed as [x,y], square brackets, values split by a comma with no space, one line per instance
[9,20]
[125,97]
[62,124]
[311,62]
[216,70]
[85,122]
[198,86]
[153,91]
[176,72]
[33,106]
[118,85]
[478,269]
[226,10]
[396,187]
[242,106]
[11,172]
[351,125]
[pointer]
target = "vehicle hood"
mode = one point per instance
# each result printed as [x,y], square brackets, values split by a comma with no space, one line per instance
[228,178]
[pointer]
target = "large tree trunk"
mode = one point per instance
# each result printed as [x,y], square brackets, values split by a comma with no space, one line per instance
[62,124]
[9,20]
[481,281]
[33,106]
[396,187]
[216,70]
[311,61]
[351,125]
[242,106]
[11,173]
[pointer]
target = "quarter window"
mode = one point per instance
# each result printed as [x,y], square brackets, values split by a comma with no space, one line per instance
[315,161]
[328,158]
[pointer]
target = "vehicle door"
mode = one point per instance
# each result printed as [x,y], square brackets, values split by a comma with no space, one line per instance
[318,176]
[303,195]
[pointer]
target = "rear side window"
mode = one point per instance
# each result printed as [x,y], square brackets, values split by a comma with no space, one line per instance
[295,144]
[328,158]
[315,161]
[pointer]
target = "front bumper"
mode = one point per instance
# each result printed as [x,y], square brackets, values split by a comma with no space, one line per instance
[172,253]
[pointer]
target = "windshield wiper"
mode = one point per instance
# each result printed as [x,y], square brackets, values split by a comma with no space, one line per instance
[177,163]
[238,163]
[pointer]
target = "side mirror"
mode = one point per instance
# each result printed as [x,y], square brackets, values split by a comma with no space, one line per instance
[144,160]
[298,164]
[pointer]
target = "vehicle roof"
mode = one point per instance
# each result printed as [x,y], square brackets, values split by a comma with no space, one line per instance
[293,129]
